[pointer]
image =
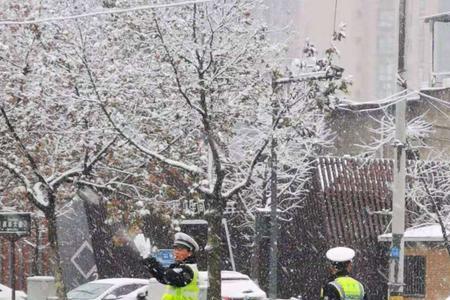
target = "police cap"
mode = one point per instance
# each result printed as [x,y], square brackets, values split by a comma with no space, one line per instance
[186,241]
[340,254]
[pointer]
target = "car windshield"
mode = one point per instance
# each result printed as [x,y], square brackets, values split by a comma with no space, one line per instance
[89,290]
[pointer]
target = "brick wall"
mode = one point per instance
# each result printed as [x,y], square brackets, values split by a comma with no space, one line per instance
[437,271]
[24,263]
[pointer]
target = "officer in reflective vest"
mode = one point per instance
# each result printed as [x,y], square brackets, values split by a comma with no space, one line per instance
[181,277]
[341,286]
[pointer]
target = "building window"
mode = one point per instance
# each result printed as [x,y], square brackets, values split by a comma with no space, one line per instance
[415,268]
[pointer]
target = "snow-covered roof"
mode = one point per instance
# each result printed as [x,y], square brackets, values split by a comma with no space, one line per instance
[441,17]
[424,233]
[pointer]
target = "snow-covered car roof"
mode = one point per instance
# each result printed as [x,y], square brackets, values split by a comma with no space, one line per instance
[121,280]
[98,289]
[236,285]
[5,293]
[233,275]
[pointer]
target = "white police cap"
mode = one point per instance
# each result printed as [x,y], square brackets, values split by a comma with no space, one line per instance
[182,239]
[340,254]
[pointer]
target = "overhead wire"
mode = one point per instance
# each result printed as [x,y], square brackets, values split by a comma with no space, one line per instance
[378,101]
[394,99]
[441,101]
[381,105]
[103,12]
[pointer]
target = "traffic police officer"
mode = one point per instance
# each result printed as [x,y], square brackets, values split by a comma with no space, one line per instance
[181,277]
[341,286]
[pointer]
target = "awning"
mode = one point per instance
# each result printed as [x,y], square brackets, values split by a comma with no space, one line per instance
[442,17]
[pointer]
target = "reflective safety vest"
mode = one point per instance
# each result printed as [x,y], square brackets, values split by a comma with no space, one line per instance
[188,292]
[348,288]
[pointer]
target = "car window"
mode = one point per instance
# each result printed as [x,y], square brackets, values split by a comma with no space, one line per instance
[89,290]
[126,289]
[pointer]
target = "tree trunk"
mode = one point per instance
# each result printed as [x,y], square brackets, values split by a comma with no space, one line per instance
[54,249]
[214,218]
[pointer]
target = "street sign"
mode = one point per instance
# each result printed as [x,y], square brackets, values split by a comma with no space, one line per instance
[395,252]
[164,256]
[15,223]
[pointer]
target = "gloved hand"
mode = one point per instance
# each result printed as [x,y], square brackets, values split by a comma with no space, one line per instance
[151,262]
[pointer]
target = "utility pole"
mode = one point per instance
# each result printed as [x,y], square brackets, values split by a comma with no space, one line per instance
[334,72]
[396,264]
[273,278]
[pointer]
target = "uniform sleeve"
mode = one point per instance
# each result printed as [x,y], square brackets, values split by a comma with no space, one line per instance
[329,292]
[158,271]
[177,276]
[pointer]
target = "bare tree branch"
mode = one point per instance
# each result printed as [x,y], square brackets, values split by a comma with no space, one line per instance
[24,149]
[31,194]
[153,154]
[175,70]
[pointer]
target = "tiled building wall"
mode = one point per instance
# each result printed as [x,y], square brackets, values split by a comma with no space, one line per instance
[437,279]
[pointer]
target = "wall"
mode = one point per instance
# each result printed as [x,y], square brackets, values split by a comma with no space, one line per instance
[437,270]
[353,127]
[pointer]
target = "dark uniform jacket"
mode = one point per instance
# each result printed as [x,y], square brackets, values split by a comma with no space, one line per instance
[178,274]
[329,291]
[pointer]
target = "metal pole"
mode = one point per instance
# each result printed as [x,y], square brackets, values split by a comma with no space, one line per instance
[398,207]
[396,265]
[255,260]
[13,268]
[227,233]
[273,278]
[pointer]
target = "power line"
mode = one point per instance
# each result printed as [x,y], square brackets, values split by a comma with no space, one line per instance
[441,101]
[104,12]
[387,99]
[382,104]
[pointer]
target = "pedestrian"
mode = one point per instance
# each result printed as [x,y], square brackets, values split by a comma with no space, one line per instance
[341,286]
[181,277]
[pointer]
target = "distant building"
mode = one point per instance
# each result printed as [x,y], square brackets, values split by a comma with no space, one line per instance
[370,51]
[428,260]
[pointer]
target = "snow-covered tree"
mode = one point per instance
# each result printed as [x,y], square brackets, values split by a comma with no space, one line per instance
[50,140]
[189,87]
[202,98]
[427,171]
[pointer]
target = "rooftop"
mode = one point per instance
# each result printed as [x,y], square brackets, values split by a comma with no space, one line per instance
[441,17]
[424,233]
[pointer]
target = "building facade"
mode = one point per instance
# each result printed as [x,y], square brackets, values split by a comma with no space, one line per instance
[370,52]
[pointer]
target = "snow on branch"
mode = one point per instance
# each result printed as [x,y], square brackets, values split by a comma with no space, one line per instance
[78,171]
[27,154]
[33,191]
[143,149]
[244,183]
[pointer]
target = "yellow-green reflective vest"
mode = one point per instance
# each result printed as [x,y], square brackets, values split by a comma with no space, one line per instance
[349,288]
[188,292]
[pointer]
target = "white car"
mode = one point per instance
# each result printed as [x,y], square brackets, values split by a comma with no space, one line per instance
[6,293]
[235,286]
[109,289]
